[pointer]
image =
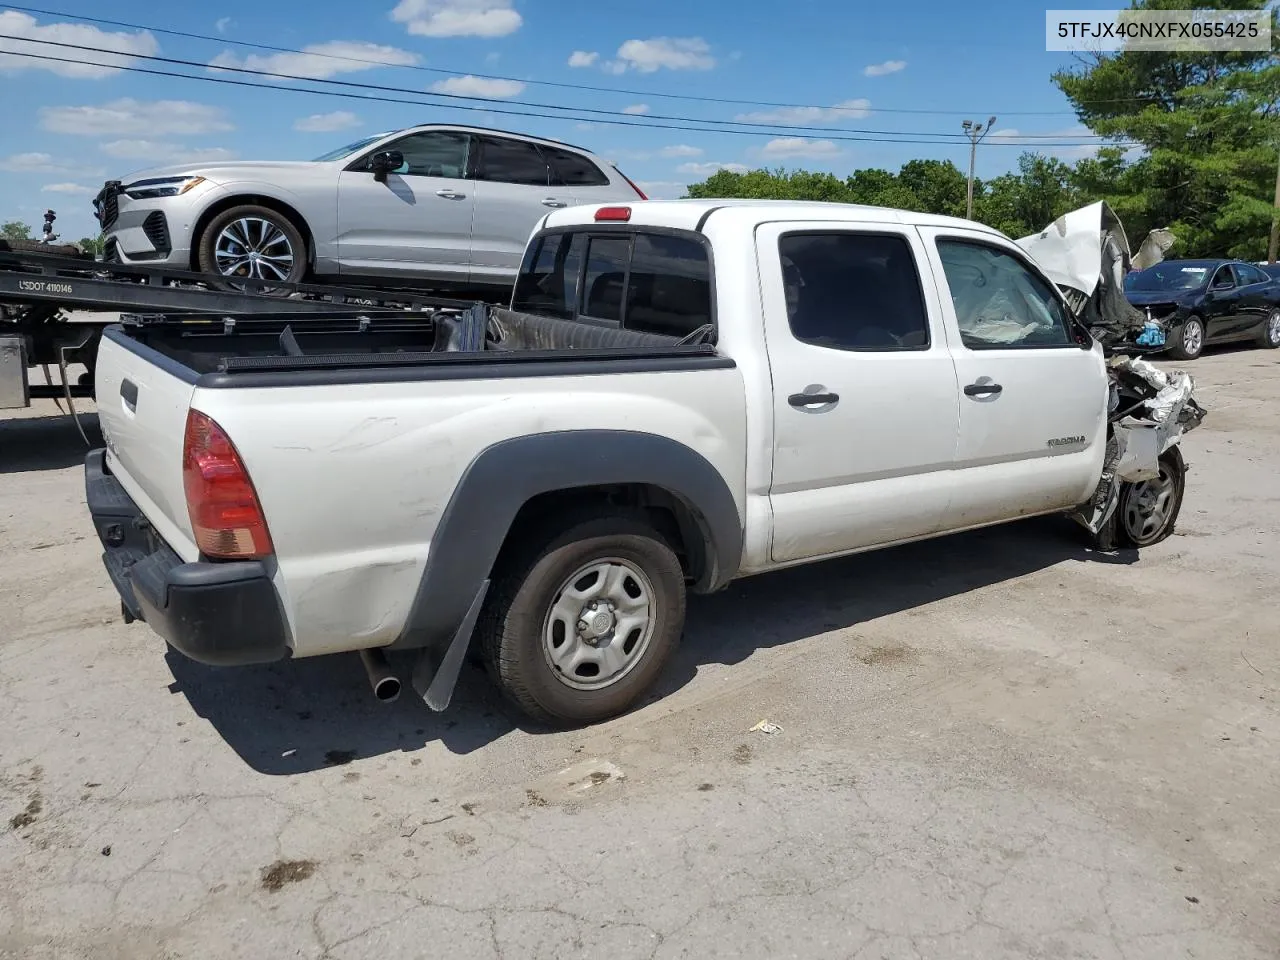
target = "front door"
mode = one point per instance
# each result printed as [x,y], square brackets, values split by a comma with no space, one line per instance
[513,192]
[1033,398]
[864,389]
[1255,303]
[416,222]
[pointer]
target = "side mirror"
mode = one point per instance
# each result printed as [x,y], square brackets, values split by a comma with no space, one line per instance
[384,163]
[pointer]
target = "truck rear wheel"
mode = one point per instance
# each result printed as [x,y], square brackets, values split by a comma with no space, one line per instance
[579,625]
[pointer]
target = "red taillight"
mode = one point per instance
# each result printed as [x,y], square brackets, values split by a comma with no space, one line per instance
[632,184]
[615,214]
[224,510]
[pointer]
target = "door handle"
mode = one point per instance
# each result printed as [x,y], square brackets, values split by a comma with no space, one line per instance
[129,394]
[982,389]
[813,399]
[553,202]
[451,195]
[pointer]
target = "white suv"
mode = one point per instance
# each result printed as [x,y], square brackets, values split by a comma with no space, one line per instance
[440,203]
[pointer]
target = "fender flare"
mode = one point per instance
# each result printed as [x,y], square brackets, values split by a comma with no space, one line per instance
[504,477]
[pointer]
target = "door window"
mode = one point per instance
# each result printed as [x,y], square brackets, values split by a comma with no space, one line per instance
[606,278]
[512,161]
[1223,279]
[999,302]
[853,291]
[433,153]
[1249,274]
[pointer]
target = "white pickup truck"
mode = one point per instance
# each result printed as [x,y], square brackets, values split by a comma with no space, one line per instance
[682,393]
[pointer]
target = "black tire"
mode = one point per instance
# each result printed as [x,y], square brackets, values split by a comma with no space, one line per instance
[1133,529]
[252,213]
[519,610]
[1178,339]
[1269,335]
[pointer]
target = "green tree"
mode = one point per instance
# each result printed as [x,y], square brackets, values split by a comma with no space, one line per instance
[91,244]
[938,186]
[15,230]
[770,185]
[1206,123]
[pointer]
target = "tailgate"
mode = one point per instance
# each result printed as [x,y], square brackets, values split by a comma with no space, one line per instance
[142,400]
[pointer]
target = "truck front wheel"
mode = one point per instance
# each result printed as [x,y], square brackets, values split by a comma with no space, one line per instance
[1148,510]
[580,623]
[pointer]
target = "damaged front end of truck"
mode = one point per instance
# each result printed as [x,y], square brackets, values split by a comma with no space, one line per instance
[1086,253]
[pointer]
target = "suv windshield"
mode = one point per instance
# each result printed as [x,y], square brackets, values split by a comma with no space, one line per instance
[349,149]
[1168,276]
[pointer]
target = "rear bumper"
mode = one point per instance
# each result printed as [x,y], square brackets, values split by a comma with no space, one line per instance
[222,614]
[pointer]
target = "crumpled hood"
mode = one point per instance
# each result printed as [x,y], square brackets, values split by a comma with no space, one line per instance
[1151,298]
[222,171]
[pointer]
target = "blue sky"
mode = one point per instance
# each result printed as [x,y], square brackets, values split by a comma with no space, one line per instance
[68,126]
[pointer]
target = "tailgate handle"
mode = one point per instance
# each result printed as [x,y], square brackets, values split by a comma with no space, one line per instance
[129,394]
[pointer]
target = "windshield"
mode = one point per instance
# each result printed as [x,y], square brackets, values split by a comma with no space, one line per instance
[1168,276]
[349,149]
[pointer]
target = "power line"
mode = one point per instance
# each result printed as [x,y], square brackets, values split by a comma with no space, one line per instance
[457,101]
[544,83]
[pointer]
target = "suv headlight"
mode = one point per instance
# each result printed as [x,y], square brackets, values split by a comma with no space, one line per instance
[161,187]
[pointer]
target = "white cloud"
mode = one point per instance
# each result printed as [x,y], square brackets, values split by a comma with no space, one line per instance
[457,18]
[662,189]
[681,150]
[636,109]
[790,147]
[493,56]
[470,86]
[67,188]
[223,23]
[319,61]
[159,154]
[126,115]
[845,110]
[14,24]
[44,163]
[1029,141]
[583,58]
[657,53]
[327,122]
[706,169]
[884,69]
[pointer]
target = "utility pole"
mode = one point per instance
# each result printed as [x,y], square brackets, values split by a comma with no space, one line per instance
[975,132]
[1275,223]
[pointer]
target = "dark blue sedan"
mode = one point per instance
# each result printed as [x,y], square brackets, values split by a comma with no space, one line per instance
[1209,301]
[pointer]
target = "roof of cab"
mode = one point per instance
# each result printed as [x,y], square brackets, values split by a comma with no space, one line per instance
[694,214]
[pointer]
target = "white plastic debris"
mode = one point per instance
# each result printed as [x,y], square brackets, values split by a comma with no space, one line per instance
[766,726]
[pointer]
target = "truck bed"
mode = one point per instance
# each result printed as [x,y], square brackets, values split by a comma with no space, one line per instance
[219,353]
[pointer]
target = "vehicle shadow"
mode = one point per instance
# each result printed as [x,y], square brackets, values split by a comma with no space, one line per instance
[298,716]
[45,443]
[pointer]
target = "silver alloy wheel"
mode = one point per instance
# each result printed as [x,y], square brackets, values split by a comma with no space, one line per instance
[1149,506]
[1192,336]
[1273,328]
[600,623]
[254,249]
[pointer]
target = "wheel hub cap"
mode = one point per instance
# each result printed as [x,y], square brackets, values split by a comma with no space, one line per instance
[599,625]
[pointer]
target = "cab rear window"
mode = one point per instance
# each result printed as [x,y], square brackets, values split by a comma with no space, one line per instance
[655,282]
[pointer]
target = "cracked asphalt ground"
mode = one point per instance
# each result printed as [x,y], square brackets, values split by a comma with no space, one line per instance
[993,746]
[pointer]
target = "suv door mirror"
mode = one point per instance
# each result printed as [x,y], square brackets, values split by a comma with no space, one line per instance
[384,162]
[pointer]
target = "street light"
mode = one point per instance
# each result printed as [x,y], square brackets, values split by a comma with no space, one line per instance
[975,133]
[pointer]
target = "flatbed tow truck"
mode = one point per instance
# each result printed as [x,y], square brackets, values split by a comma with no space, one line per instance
[55,301]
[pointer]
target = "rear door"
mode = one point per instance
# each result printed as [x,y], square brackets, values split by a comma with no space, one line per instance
[1222,304]
[1033,397]
[1256,293]
[865,397]
[418,221]
[513,192]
